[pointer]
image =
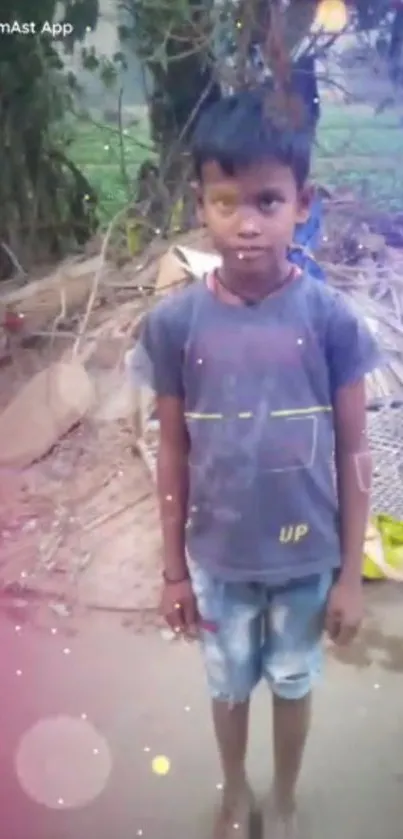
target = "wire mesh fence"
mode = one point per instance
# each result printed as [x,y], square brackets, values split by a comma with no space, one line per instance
[385,426]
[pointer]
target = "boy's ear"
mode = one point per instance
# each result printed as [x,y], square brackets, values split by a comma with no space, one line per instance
[305,199]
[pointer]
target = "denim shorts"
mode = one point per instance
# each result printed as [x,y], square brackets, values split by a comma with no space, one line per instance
[252,631]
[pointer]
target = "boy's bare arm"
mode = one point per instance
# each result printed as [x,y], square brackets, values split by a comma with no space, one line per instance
[172,481]
[353,468]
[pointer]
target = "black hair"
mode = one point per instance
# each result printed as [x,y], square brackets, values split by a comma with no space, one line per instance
[251,127]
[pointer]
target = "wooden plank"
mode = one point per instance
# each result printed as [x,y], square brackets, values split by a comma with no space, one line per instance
[62,293]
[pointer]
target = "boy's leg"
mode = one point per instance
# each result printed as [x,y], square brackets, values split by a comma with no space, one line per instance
[231,641]
[292,663]
[231,730]
[291,719]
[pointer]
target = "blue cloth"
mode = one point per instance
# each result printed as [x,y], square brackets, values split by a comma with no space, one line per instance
[307,239]
[258,385]
[249,632]
[308,234]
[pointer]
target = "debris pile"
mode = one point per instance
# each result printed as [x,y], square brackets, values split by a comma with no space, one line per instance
[78,520]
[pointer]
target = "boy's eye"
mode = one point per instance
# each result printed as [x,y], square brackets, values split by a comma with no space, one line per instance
[226,205]
[268,204]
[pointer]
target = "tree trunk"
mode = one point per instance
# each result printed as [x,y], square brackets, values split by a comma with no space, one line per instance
[174,45]
[182,72]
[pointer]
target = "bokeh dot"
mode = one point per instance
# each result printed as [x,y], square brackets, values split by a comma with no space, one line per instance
[63,762]
[161,765]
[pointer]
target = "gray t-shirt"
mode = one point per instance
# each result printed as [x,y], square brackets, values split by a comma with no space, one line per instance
[258,384]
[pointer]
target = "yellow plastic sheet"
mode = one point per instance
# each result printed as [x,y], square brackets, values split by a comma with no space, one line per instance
[383,549]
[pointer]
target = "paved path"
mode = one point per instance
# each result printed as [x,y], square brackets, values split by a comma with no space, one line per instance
[87,704]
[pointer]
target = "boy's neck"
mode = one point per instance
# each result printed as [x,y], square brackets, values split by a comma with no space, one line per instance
[248,292]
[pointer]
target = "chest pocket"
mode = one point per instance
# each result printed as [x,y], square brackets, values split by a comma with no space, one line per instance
[289,443]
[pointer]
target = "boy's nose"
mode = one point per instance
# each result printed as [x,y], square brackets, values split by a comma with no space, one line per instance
[249,227]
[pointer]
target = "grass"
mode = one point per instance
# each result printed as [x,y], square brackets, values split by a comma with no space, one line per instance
[356,149]
[96,149]
[362,151]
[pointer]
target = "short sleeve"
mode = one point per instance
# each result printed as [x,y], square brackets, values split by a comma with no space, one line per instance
[156,360]
[352,350]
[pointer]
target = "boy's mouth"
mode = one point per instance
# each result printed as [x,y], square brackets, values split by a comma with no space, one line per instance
[250,254]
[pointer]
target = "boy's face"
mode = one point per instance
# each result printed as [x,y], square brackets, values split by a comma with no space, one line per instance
[251,217]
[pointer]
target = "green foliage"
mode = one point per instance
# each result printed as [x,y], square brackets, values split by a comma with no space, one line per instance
[46,205]
[181,45]
[83,15]
[97,151]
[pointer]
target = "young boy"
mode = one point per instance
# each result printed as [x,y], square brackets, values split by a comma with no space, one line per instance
[259,374]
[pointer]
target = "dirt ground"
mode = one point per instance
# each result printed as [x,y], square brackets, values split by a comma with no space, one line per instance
[86,531]
[82,524]
[93,692]
[88,704]
[91,697]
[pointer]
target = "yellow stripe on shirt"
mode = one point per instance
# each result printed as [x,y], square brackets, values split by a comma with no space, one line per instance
[316,409]
[294,412]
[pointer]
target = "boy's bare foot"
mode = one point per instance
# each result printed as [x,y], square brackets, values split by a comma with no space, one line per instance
[233,820]
[280,824]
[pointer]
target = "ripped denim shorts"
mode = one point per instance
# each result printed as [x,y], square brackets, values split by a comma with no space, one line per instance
[251,632]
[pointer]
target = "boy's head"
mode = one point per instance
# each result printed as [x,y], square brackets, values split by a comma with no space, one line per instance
[252,168]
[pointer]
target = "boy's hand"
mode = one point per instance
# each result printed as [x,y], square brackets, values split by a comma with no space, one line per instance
[178,607]
[344,612]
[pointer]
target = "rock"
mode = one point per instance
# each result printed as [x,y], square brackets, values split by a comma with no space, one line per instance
[44,410]
[114,397]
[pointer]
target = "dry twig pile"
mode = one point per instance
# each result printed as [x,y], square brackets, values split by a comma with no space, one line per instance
[82,520]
